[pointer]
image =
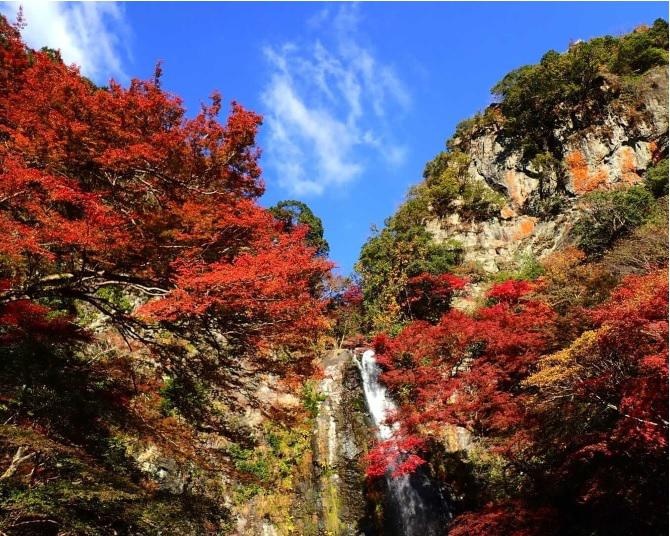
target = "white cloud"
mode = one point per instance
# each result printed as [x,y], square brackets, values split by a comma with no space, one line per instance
[327,101]
[88,34]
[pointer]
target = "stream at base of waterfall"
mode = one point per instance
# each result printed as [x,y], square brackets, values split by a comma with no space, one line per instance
[413,506]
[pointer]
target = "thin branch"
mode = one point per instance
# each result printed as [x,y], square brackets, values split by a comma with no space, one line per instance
[18,459]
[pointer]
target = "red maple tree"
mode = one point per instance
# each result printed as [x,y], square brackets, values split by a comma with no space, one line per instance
[114,186]
[583,427]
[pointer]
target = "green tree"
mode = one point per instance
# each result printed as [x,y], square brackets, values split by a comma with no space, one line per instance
[294,213]
[536,99]
[657,178]
[607,216]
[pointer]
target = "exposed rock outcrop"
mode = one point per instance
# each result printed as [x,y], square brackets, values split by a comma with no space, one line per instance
[340,439]
[616,150]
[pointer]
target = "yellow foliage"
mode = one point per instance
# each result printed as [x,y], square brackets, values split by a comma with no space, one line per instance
[563,368]
[560,262]
[571,282]
[384,320]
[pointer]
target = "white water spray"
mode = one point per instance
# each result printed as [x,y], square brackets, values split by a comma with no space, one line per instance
[379,402]
[414,515]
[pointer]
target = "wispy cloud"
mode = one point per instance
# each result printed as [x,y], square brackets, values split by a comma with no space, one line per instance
[90,35]
[329,103]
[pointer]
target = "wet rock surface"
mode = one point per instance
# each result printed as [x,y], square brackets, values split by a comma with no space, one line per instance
[340,439]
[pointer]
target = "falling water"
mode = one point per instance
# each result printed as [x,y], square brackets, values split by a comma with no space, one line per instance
[414,506]
[379,403]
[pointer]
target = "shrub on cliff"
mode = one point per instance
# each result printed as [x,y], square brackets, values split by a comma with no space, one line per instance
[536,99]
[449,188]
[389,258]
[609,215]
[657,178]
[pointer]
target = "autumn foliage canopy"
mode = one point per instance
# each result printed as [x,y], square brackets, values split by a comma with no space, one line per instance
[116,186]
[579,425]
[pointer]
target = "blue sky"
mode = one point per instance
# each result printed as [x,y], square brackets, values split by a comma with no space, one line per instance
[356,97]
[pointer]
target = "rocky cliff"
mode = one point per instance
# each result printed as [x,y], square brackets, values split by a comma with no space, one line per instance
[539,231]
[614,151]
[545,167]
[323,491]
[341,438]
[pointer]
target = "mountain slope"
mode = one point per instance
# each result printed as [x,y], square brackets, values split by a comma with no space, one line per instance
[514,179]
[519,301]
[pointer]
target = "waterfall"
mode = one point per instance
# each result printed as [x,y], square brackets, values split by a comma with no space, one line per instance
[380,404]
[413,506]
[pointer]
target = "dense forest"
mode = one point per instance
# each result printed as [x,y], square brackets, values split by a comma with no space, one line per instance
[164,338]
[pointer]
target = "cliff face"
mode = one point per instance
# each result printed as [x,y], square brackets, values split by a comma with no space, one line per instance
[545,221]
[571,153]
[340,439]
[324,491]
[236,459]
[615,150]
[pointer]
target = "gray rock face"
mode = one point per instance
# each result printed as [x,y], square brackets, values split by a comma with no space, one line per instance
[615,151]
[165,471]
[340,439]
